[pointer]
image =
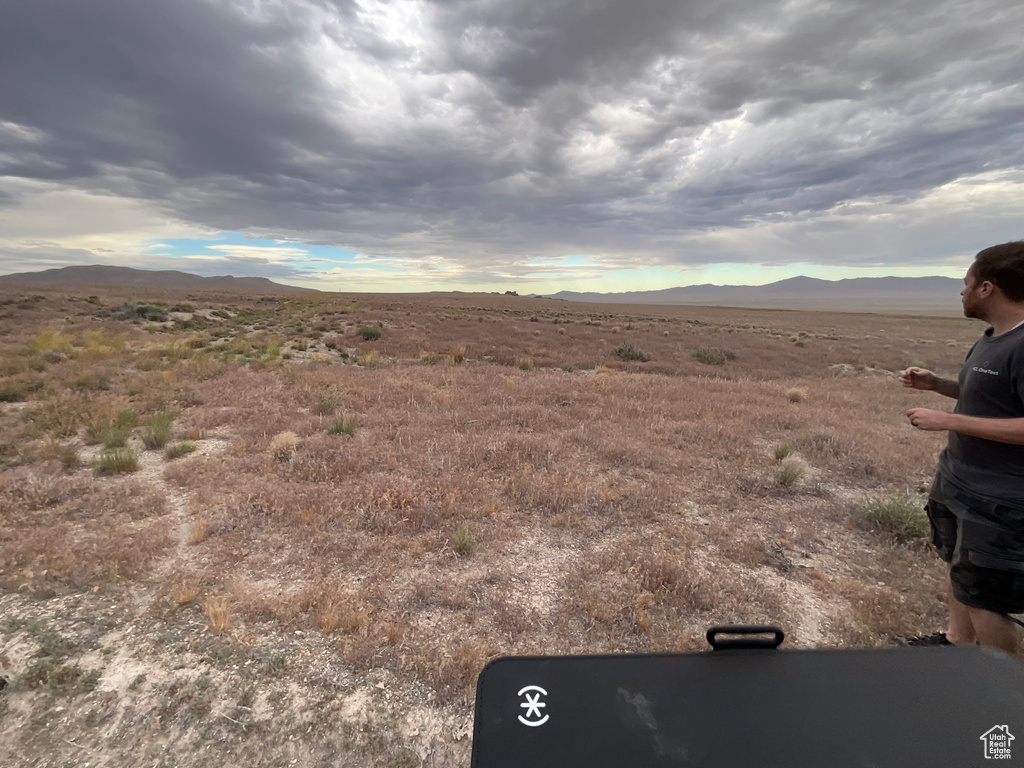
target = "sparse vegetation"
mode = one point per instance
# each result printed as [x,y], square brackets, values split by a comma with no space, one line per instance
[343,425]
[138,311]
[12,391]
[789,473]
[631,353]
[463,542]
[51,340]
[218,614]
[110,429]
[900,516]
[458,354]
[201,527]
[256,593]
[369,359]
[369,332]
[68,456]
[117,460]
[713,355]
[157,432]
[327,404]
[283,445]
[184,590]
[177,450]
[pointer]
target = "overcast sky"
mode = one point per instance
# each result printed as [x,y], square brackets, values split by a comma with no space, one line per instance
[532,145]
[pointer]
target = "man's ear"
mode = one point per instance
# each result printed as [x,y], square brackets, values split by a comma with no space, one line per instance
[987,288]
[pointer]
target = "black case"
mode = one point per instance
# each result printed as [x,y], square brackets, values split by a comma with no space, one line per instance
[741,706]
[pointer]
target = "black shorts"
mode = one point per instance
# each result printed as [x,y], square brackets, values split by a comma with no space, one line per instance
[984,546]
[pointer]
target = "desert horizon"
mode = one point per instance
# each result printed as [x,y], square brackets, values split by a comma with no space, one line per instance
[915,295]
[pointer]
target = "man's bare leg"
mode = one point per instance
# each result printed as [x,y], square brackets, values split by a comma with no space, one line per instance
[995,630]
[961,629]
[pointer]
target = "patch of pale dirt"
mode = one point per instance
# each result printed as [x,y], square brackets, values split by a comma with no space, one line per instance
[429,730]
[538,566]
[162,700]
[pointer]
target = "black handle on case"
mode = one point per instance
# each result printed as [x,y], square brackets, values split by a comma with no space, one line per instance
[749,637]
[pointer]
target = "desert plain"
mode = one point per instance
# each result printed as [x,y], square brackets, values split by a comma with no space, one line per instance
[273,530]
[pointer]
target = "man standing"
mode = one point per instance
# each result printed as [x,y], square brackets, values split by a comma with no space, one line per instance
[976,505]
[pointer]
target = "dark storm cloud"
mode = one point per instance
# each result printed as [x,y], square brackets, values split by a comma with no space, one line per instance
[186,87]
[476,129]
[527,47]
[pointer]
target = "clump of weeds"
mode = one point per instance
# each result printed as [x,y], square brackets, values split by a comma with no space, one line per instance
[343,425]
[631,353]
[157,433]
[117,460]
[899,516]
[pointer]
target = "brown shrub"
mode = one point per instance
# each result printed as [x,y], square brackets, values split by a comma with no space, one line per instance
[218,614]
[184,589]
[282,446]
[201,527]
[335,608]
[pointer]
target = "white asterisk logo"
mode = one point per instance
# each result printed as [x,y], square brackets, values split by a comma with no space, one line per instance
[533,705]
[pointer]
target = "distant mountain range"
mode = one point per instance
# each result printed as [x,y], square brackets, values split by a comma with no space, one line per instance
[168,278]
[859,293]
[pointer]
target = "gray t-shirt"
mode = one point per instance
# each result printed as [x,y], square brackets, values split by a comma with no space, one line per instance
[991,386]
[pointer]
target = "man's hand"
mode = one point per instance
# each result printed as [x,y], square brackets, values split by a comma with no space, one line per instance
[928,420]
[918,378]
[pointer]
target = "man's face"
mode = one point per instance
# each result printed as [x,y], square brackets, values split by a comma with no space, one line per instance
[972,303]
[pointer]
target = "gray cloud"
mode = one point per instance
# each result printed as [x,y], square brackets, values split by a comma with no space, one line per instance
[51,256]
[480,130]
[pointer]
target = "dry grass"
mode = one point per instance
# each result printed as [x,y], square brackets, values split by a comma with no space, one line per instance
[582,503]
[200,531]
[789,473]
[282,446]
[218,614]
[61,531]
[463,542]
[184,590]
[338,610]
[343,425]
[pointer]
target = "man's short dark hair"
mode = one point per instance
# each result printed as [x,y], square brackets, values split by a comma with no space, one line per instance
[1003,266]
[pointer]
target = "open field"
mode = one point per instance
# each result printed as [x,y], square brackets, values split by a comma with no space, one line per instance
[266,530]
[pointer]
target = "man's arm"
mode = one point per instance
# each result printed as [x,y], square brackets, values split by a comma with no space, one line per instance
[999,430]
[919,378]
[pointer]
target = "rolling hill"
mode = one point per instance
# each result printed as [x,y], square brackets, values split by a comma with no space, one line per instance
[861,293]
[107,275]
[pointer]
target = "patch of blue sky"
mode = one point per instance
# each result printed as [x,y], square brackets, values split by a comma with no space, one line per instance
[219,245]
